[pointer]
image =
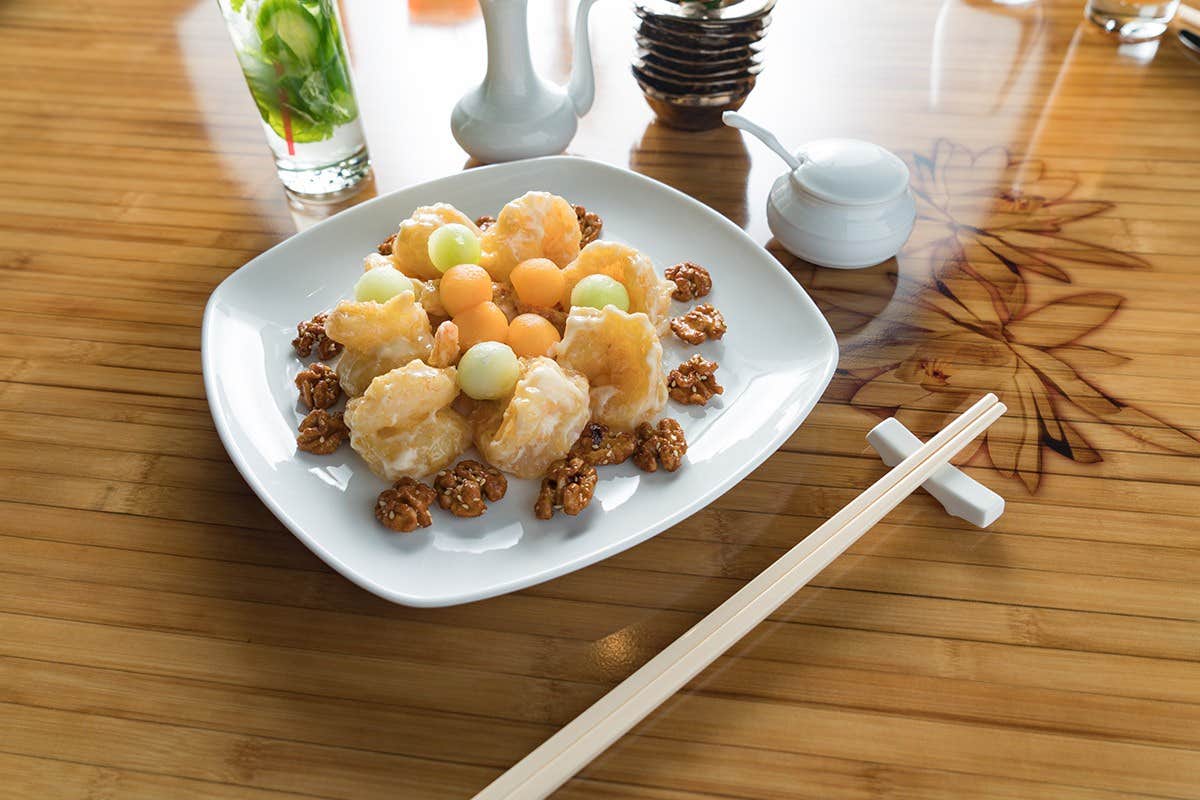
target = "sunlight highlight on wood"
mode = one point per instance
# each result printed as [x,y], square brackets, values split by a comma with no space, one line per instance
[162,635]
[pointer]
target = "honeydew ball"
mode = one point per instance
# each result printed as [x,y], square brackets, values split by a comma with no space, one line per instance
[598,291]
[381,284]
[488,371]
[538,282]
[531,335]
[464,286]
[453,244]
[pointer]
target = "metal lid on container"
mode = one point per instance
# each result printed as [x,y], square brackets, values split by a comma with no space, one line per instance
[706,11]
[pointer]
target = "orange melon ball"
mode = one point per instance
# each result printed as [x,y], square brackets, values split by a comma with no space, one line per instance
[539,282]
[530,335]
[483,322]
[464,286]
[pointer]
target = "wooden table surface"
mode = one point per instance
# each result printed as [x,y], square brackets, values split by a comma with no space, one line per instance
[162,636]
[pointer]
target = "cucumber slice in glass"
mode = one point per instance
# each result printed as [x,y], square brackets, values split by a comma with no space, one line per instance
[287,24]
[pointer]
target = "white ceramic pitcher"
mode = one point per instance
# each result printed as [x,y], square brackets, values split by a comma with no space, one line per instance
[514,113]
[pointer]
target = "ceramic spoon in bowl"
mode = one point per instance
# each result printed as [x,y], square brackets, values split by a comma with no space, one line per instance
[736,120]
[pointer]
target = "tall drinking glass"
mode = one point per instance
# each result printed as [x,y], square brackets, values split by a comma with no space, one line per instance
[1132,20]
[293,57]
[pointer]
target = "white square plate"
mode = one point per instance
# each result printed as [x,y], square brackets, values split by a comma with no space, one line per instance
[775,362]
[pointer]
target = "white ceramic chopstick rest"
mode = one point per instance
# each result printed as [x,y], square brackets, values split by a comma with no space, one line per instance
[961,495]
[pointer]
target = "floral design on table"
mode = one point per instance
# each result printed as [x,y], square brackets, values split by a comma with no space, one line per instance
[961,312]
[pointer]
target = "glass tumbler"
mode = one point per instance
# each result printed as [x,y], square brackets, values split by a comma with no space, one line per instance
[293,57]
[1131,20]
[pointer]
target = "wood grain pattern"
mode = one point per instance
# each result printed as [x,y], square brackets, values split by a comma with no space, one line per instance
[161,635]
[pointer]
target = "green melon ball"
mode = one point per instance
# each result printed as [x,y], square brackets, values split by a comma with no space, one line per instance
[598,291]
[453,244]
[381,284]
[488,371]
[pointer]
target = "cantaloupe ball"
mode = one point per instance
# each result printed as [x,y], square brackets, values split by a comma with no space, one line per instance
[483,322]
[538,281]
[464,286]
[530,335]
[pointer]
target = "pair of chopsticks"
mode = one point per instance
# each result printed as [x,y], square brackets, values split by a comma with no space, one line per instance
[575,745]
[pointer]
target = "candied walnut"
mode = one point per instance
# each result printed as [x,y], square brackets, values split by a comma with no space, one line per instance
[590,226]
[665,444]
[462,490]
[485,222]
[385,247]
[319,387]
[556,316]
[446,348]
[322,432]
[405,506]
[569,484]
[505,298]
[599,446]
[312,334]
[691,280]
[702,322]
[694,381]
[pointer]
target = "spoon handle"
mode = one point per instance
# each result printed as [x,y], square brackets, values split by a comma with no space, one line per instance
[736,120]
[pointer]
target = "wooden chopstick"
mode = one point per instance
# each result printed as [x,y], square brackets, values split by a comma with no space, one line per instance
[589,734]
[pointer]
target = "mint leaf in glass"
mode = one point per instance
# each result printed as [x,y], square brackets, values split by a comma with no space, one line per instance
[298,73]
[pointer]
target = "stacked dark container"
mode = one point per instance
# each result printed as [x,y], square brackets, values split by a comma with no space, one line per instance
[698,58]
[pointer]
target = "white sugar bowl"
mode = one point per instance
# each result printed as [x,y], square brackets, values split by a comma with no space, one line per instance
[844,203]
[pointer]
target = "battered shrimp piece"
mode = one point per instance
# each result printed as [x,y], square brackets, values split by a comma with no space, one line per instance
[378,337]
[403,425]
[535,225]
[410,249]
[375,260]
[648,293]
[537,425]
[621,356]
[446,348]
[430,297]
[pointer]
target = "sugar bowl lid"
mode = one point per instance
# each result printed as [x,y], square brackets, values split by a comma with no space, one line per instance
[850,172]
